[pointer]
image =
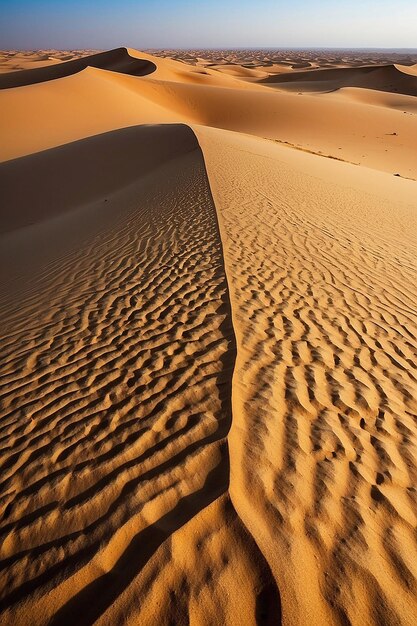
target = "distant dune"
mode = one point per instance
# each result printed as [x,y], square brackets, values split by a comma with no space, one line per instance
[117,60]
[392,78]
[344,128]
[209,340]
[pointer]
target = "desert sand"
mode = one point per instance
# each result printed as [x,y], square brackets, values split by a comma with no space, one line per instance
[209,338]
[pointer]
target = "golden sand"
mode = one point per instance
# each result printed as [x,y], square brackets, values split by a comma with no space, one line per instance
[209,338]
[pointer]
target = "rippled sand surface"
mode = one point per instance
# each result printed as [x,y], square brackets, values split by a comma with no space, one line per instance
[208,316]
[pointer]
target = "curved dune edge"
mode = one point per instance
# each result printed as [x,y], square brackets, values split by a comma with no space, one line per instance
[407,69]
[118,60]
[383,99]
[115,468]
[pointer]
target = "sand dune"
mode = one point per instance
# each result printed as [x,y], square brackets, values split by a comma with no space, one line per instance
[118,336]
[209,337]
[323,446]
[12,61]
[233,69]
[78,173]
[117,60]
[390,78]
[279,60]
[407,69]
[19,62]
[66,109]
[407,104]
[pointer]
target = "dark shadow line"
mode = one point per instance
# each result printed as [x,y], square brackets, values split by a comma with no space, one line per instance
[90,603]
[268,611]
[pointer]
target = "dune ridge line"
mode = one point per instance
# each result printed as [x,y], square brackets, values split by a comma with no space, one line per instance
[117,60]
[125,362]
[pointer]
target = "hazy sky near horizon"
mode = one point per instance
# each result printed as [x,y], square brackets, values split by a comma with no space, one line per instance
[64,24]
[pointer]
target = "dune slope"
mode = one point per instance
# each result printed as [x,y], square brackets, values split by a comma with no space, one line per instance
[118,353]
[75,174]
[45,115]
[382,78]
[323,444]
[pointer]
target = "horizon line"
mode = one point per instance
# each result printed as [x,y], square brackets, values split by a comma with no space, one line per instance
[220,48]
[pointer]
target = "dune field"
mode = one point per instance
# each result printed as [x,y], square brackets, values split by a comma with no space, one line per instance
[209,338]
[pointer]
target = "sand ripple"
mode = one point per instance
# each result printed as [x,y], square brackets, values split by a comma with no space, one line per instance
[323,445]
[117,363]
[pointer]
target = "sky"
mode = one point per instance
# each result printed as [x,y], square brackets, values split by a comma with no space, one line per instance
[95,24]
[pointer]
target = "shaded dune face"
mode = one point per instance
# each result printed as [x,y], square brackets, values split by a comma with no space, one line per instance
[80,172]
[118,353]
[382,78]
[117,60]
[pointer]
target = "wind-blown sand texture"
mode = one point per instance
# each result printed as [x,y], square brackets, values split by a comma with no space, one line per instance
[209,338]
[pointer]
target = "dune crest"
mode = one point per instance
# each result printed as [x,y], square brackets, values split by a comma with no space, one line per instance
[118,60]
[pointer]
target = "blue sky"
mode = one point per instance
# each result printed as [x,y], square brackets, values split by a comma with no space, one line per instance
[140,24]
